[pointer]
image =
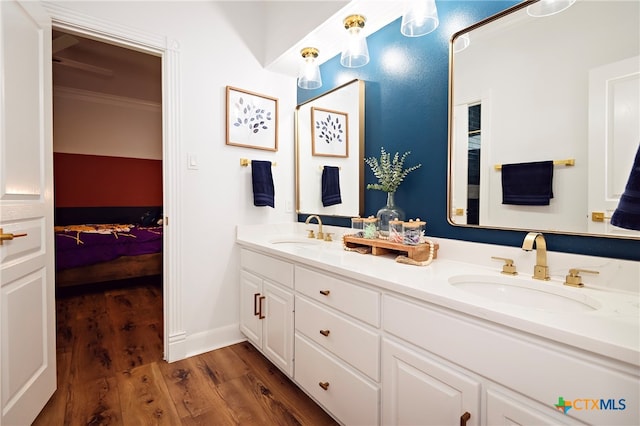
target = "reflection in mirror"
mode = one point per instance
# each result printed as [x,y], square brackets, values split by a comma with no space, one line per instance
[329,152]
[527,91]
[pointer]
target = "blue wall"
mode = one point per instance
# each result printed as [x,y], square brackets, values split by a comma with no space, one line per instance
[407,110]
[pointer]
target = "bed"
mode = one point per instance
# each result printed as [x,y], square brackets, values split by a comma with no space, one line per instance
[92,248]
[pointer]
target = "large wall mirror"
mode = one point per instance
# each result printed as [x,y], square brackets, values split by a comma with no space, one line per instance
[562,88]
[330,134]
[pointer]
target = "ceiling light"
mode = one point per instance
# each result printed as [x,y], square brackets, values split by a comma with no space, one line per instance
[356,53]
[420,18]
[309,75]
[461,42]
[548,7]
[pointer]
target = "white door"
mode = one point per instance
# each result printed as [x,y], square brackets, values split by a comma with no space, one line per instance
[251,306]
[460,159]
[27,299]
[614,135]
[417,390]
[277,330]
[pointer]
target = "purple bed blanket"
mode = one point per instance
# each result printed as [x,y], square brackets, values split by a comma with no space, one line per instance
[83,245]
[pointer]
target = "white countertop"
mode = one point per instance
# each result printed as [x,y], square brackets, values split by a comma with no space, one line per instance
[611,330]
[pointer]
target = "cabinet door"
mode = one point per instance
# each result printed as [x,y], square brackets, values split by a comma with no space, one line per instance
[517,410]
[419,390]
[277,332]
[250,291]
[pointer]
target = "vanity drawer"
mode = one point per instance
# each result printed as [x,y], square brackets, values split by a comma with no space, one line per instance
[352,299]
[267,266]
[350,398]
[350,341]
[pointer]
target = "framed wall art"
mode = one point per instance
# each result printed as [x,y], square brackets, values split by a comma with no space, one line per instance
[252,119]
[329,133]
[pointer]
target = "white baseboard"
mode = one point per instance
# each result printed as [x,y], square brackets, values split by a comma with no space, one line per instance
[209,340]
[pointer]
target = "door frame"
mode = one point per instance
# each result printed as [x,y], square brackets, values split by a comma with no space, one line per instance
[168,49]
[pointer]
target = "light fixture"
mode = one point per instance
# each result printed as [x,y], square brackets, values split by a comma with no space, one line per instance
[420,18]
[548,7]
[461,42]
[309,75]
[356,53]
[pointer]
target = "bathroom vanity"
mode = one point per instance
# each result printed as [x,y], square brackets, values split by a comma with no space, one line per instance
[374,341]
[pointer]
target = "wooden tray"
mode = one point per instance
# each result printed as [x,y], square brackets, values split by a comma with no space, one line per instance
[379,246]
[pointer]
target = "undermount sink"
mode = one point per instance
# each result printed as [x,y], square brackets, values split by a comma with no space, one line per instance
[295,241]
[551,297]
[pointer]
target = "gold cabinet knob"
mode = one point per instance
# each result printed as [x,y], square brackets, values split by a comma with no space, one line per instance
[324,385]
[325,333]
[325,292]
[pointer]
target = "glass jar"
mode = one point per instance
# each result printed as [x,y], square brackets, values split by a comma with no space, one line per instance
[413,232]
[396,231]
[370,227]
[357,226]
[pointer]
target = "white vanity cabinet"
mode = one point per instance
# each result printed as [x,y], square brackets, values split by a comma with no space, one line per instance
[337,345]
[420,390]
[438,364]
[266,306]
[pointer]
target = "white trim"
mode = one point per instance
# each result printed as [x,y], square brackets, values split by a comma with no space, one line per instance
[210,340]
[105,99]
[168,49]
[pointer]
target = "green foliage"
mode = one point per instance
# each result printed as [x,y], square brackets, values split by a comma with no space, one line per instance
[390,174]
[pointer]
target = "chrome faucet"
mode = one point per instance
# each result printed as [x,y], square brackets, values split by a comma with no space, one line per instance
[541,270]
[320,235]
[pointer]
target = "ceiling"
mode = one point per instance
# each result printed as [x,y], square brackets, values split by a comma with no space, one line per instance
[84,63]
[328,35]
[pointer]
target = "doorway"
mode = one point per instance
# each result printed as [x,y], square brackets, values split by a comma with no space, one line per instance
[169,50]
[108,162]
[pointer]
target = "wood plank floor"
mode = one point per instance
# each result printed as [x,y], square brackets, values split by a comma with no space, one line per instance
[111,372]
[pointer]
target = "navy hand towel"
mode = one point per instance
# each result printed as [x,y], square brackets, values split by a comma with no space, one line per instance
[263,191]
[627,215]
[527,184]
[331,186]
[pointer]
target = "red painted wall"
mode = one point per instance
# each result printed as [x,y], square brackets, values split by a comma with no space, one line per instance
[99,181]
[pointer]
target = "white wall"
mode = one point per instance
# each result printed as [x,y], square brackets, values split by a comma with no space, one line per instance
[93,123]
[217,195]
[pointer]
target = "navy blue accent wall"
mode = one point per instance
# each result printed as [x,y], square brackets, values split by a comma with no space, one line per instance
[407,110]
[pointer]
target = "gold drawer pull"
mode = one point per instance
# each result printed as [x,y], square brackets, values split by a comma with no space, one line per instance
[463,418]
[325,333]
[325,292]
[324,385]
[9,237]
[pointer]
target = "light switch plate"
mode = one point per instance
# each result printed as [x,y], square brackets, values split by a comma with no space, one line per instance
[192,161]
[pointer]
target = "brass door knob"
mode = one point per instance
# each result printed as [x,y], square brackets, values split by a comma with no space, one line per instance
[9,236]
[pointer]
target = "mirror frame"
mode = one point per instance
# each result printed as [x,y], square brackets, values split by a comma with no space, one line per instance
[524,4]
[359,156]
